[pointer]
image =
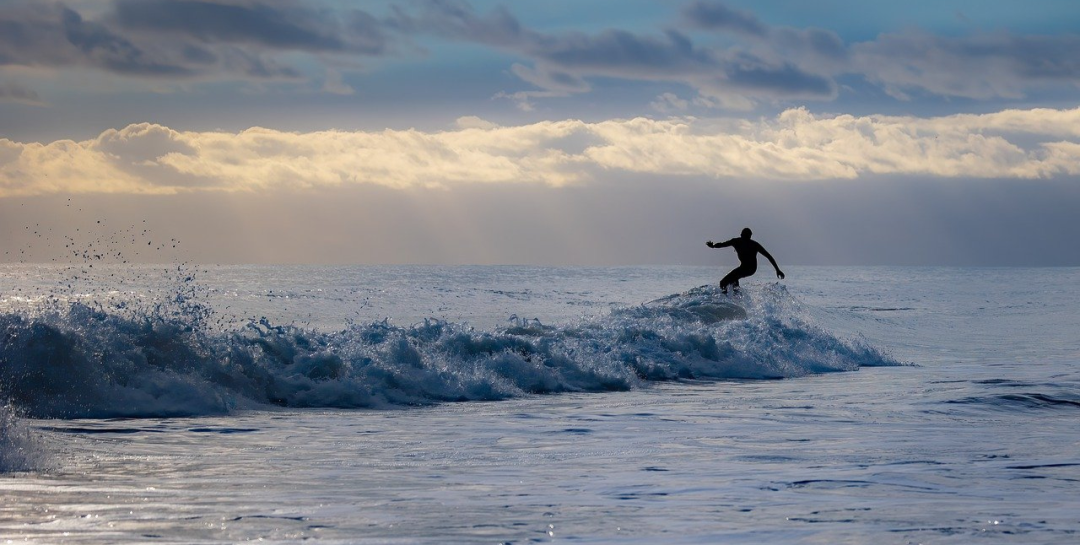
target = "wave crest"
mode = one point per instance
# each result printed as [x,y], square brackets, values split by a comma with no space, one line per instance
[86,362]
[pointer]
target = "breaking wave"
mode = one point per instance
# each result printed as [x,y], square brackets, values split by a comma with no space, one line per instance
[86,361]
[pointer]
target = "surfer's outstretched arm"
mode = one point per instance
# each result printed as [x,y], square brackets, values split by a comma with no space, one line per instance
[712,244]
[779,273]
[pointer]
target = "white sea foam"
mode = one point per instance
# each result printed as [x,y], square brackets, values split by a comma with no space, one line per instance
[20,448]
[165,360]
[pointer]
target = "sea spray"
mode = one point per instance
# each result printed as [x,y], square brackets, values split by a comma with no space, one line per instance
[19,446]
[169,358]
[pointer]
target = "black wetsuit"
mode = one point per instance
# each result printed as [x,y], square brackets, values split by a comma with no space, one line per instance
[747,250]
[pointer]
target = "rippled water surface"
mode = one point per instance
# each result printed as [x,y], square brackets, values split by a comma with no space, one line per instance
[973,439]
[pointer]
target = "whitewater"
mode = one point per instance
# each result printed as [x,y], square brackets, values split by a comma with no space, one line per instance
[406,404]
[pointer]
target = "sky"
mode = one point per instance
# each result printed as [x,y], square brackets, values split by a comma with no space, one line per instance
[563,132]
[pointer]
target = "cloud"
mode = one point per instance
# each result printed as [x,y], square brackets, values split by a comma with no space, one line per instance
[728,57]
[16,92]
[186,39]
[801,146]
[473,122]
[52,35]
[756,61]
[980,66]
[276,25]
[796,145]
[335,84]
[977,66]
[717,16]
[61,167]
[564,61]
[803,44]
[669,102]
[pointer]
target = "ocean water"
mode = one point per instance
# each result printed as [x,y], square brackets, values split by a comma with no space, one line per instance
[218,404]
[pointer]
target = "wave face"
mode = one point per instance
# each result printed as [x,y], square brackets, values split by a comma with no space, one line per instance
[83,361]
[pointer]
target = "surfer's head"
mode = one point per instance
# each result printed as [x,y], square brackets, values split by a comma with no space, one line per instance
[747,233]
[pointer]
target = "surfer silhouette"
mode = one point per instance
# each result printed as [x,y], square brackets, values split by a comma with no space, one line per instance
[747,250]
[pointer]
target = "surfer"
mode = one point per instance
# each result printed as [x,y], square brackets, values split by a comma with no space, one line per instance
[747,251]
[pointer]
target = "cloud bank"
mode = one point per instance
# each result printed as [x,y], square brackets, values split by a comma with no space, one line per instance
[184,40]
[734,60]
[795,146]
[729,58]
